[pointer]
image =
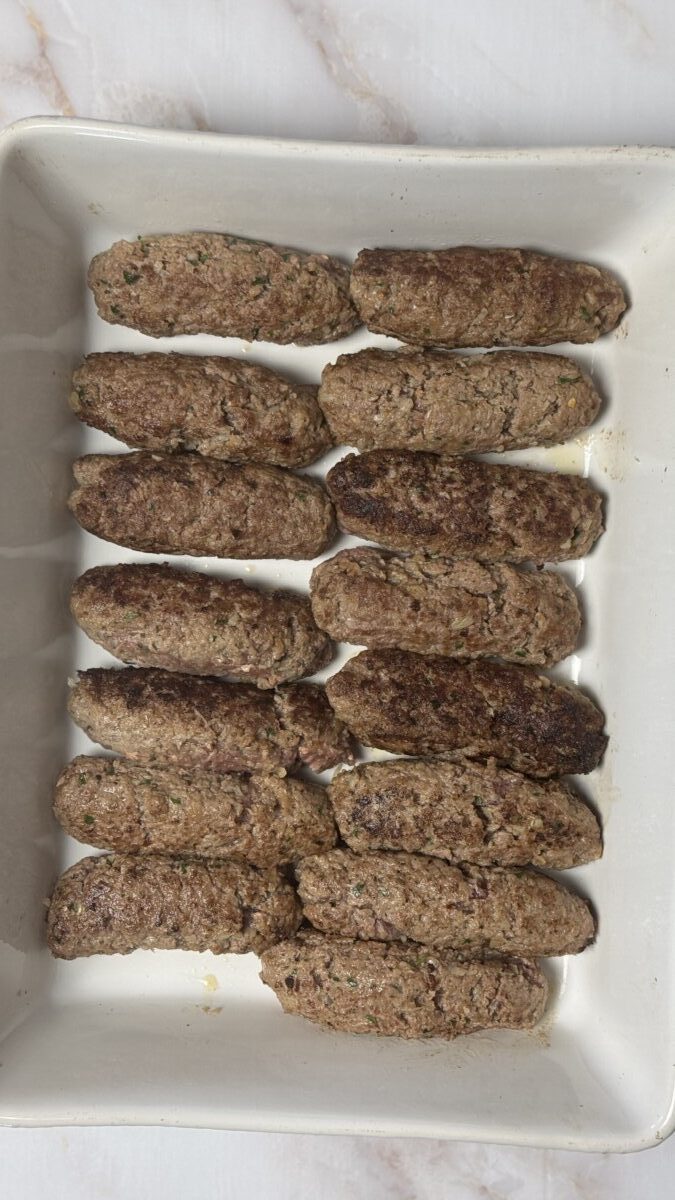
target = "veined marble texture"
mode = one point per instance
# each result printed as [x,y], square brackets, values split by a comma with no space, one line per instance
[443,72]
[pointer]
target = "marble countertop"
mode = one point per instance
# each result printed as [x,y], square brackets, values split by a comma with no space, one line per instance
[488,73]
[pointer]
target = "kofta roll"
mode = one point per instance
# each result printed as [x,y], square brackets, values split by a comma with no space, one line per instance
[216,283]
[464,812]
[459,508]
[455,404]
[185,504]
[401,991]
[156,616]
[438,606]
[220,407]
[424,704]
[388,897]
[191,721]
[116,903]
[118,805]
[473,296]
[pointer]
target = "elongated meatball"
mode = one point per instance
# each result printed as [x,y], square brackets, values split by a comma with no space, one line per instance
[229,286]
[189,721]
[451,403]
[117,903]
[437,606]
[407,500]
[156,616]
[221,407]
[464,812]
[423,704]
[400,897]
[472,296]
[116,805]
[401,991]
[184,504]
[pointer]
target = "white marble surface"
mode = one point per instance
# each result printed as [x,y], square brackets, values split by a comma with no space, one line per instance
[484,72]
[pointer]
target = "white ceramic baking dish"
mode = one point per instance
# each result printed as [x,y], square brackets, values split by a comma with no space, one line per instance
[197,1040]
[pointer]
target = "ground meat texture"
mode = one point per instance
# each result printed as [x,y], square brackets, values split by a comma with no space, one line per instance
[437,606]
[412,897]
[229,286]
[417,704]
[221,407]
[157,616]
[464,812]
[469,296]
[117,903]
[449,403]
[189,721]
[401,991]
[456,507]
[116,805]
[184,504]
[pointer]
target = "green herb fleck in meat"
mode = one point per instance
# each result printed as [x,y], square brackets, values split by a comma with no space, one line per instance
[569,378]
[371,1019]
[175,800]
[82,778]
[585,313]
[357,889]
[131,276]
[88,819]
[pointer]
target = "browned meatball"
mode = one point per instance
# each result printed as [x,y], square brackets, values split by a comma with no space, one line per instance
[437,606]
[116,805]
[117,903]
[464,812]
[401,991]
[221,407]
[459,508]
[423,704]
[191,721]
[230,286]
[156,616]
[473,296]
[400,897]
[451,403]
[184,504]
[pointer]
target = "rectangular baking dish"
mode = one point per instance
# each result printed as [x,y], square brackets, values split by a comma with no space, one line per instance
[196,1040]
